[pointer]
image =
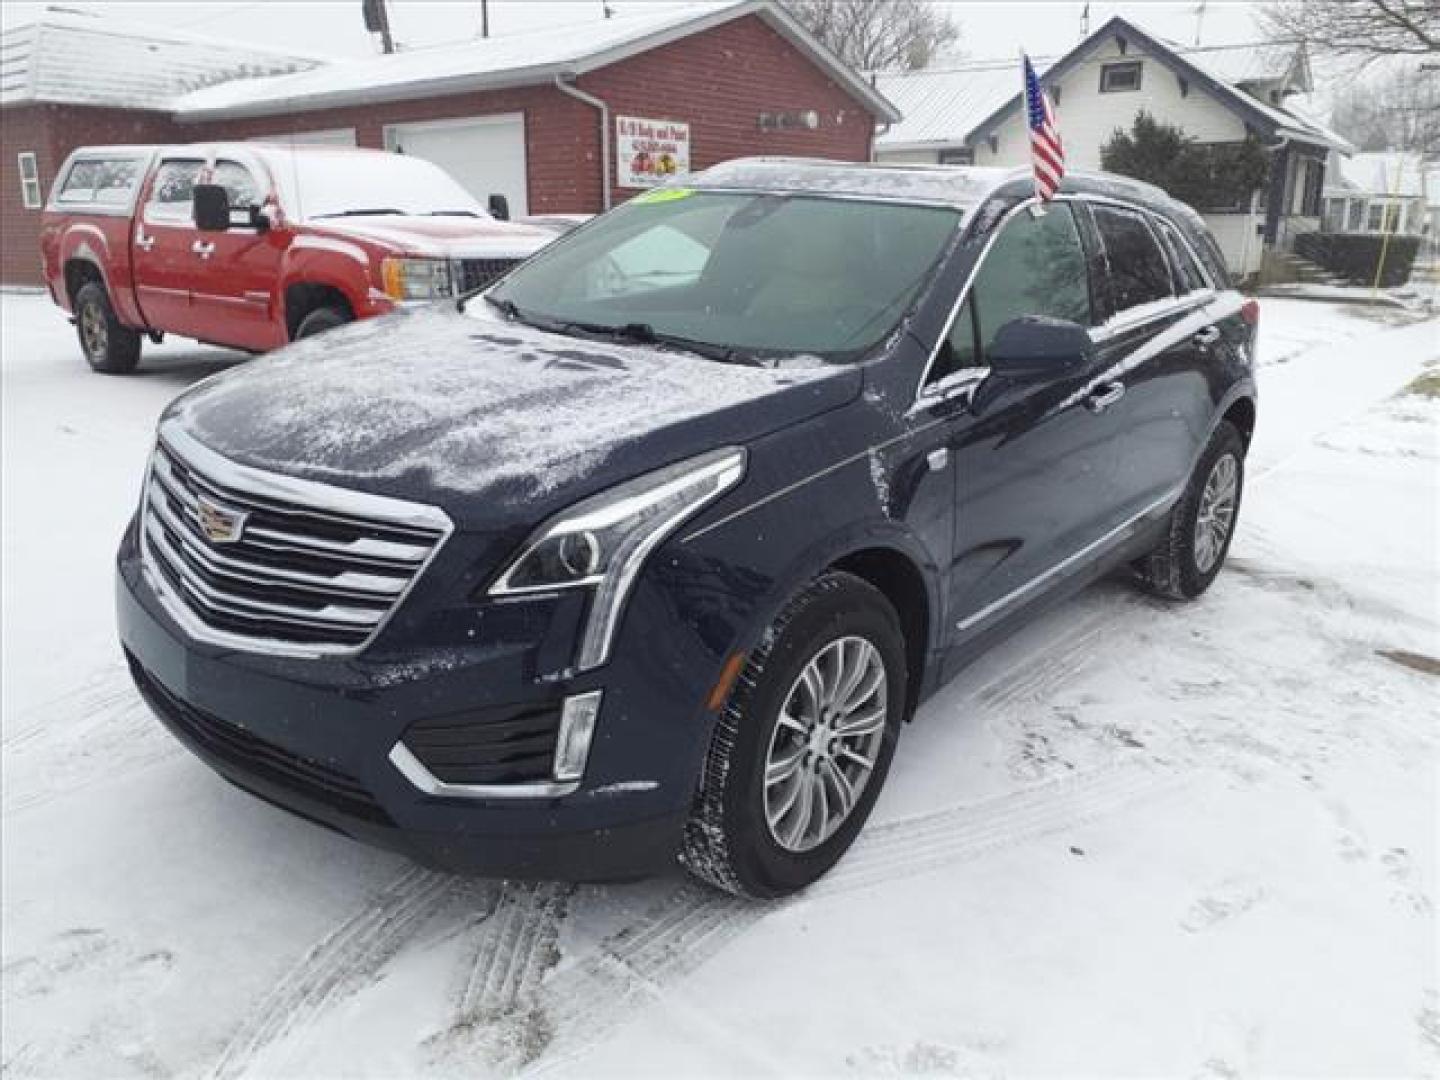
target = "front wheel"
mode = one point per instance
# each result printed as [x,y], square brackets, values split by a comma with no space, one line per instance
[320,320]
[802,748]
[1197,539]
[109,347]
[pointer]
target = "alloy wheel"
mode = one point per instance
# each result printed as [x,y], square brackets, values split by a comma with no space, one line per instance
[94,330]
[1217,512]
[825,743]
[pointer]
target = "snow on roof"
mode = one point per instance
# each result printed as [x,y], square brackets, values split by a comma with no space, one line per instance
[1382,172]
[1239,65]
[941,106]
[512,60]
[947,107]
[73,58]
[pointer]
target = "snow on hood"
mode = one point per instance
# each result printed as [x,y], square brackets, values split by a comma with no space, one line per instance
[430,403]
[447,237]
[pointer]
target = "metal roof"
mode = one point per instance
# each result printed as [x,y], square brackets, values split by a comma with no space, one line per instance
[941,105]
[71,58]
[515,60]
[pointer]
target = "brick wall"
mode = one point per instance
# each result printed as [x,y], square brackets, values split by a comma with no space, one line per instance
[718,82]
[51,132]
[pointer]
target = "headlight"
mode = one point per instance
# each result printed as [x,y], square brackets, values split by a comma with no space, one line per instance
[602,542]
[417,279]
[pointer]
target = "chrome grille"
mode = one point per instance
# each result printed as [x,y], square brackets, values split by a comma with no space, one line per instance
[310,569]
[477,273]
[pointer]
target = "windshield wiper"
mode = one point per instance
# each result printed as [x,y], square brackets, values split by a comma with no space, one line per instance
[644,334]
[383,211]
[638,332]
[452,213]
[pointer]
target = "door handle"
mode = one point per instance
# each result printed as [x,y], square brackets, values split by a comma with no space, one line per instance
[1207,337]
[143,242]
[1105,396]
[203,248]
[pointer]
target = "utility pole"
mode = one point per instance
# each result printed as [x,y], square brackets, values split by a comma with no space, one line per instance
[1085,22]
[377,21]
[1199,20]
[484,18]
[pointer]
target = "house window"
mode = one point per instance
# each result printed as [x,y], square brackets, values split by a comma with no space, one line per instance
[1117,78]
[960,155]
[29,180]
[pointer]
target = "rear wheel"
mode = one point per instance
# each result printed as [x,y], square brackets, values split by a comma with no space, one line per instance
[1197,539]
[320,320]
[109,347]
[802,748]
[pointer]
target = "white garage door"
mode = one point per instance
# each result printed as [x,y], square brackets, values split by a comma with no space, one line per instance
[328,137]
[486,154]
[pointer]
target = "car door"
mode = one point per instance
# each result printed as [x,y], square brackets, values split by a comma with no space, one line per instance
[163,258]
[236,271]
[1153,347]
[1033,483]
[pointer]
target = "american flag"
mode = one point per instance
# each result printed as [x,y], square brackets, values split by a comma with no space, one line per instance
[1046,150]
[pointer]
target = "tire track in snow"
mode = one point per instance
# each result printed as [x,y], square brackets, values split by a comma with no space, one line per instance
[341,962]
[585,1001]
[508,961]
[99,730]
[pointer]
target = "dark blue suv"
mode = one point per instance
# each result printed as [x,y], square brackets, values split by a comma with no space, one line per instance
[651,550]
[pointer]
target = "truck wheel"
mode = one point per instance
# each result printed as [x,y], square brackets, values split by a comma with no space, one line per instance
[800,752]
[320,320]
[1197,538]
[110,348]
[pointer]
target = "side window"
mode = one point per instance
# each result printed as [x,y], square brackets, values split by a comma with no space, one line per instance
[1036,266]
[239,184]
[172,193]
[106,181]
[1137,272]
[959,351]
[1188,274]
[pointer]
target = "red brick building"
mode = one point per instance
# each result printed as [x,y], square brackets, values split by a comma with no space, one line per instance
[534,117]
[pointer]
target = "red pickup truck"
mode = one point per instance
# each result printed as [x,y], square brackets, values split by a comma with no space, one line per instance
[252,245]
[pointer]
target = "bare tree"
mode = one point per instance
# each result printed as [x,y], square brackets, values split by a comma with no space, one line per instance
[878,35]
[1363,30]
[1399,110]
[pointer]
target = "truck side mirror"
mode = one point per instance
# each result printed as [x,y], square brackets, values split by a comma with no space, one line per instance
[499,207]
[212,208]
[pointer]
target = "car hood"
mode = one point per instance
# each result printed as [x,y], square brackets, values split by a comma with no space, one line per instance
[489,419]
[445,236]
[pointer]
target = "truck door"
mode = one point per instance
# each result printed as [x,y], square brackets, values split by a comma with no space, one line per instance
[162,247]
[237,271]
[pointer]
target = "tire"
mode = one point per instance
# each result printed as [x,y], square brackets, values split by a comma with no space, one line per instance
[320,320]
[1185,562]
[109,347]
[729,840]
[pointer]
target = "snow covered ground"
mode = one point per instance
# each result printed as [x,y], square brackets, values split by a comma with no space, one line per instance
[1135,839]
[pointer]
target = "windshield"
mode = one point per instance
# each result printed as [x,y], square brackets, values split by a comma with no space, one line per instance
[754,274]
[330,183]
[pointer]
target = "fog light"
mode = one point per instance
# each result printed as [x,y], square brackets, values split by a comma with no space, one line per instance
[577,727]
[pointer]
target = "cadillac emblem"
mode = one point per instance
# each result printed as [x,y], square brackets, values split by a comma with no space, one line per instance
[220,524]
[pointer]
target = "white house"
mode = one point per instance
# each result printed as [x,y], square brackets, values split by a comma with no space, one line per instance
[972,113]
[1385,191]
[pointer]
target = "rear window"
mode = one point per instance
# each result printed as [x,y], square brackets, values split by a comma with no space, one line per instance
[1136,269]
[100,181]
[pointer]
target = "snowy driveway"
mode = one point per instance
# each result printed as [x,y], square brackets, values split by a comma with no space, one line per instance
[1136,838]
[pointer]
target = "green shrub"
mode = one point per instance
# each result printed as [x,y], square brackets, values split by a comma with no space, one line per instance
[1355,256]
[1208,176]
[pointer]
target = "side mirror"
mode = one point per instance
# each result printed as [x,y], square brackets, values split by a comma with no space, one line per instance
[499,207]
[260,219]
[212,208]
[1033,347]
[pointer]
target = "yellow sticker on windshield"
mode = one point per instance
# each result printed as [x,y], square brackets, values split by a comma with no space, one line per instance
[659,195]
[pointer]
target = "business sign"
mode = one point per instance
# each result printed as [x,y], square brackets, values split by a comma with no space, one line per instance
[649,152]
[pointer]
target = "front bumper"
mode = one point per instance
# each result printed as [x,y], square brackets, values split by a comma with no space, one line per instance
[315,737]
